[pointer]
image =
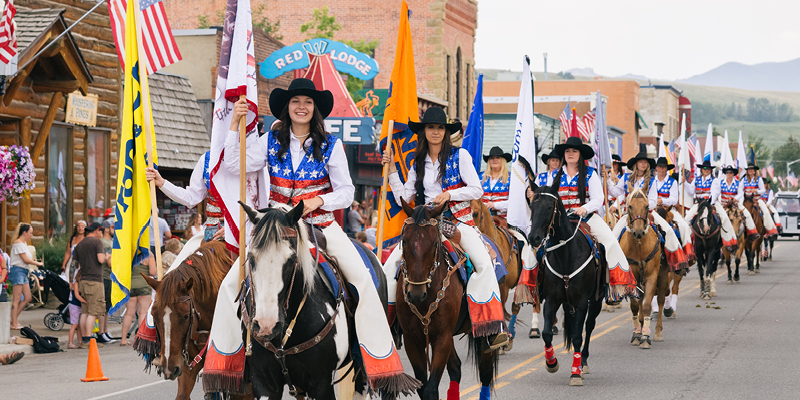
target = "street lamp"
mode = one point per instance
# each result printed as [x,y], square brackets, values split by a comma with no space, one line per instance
[788,164]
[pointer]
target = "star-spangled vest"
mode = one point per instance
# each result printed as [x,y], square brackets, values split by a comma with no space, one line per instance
[751,187]
[310,180]
[766,194]
[640,185]
[702,189]
[461,210]
[728,191]
[666,188]
[542,177]
[213,209]
[568,191]
[496,192]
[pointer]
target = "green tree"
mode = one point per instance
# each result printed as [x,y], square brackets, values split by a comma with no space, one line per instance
[323,25]
[786,153]
[261,21]
[203,22]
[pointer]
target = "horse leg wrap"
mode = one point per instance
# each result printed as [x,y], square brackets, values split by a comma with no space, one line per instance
[549,354]
[636,326]
[453,392]
[674,302]
[576,363]
[486,393]
[512,329]
[646,326]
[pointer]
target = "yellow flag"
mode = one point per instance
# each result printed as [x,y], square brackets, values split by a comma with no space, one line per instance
[401,106]
[132,236]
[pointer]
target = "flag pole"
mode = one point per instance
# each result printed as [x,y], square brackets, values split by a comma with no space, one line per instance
[242,191]
[148,137]
[382,206]
[683,189]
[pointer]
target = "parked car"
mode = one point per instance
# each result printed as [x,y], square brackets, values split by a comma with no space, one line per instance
[788,206]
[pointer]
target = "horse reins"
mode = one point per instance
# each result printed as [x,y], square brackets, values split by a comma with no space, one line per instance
[561,243]
[193,334]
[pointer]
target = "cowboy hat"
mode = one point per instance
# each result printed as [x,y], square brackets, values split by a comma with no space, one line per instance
[767,181]
[279,98]
[434,115]
[662,161]
[496,151]
[705,165]
[547,157]
[752,166]
[574,143]
[729,168]
[616,159]
[641,156]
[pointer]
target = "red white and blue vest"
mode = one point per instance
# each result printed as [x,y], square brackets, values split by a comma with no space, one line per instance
[702,189]
[640,184]
[568,191]
[496,192]
[541,179]
[461,210]
[310,180]
[666,188]
[766,194]
[751,187]
[213,210]
[728,192]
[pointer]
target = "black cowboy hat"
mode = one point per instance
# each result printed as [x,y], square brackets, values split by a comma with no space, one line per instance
[496,151]
[705,164]
[767,181]
[434,115]
[729,168]
[574,143]
[662,161]
[616,159]
[753,166]
[547,157]
[641,156]
[279,98]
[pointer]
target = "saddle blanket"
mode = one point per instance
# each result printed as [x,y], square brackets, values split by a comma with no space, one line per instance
[325,271]
[465,270]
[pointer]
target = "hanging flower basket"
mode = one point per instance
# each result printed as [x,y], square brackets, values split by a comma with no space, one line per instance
[16,173]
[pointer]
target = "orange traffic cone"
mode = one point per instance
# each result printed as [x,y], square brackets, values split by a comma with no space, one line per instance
[94,371]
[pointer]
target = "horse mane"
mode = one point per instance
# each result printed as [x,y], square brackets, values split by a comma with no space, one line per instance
[638,193]
[206,267]
[419,215]
[268,236]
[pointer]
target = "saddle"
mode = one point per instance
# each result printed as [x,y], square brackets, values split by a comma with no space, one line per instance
[501,222]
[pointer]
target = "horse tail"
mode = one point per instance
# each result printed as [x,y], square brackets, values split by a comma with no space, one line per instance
[475,353]
[567,328]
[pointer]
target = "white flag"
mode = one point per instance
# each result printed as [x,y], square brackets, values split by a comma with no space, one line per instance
[519,214]
[727,158]
[662,150]
[708,148]
[236,76]
[683,160]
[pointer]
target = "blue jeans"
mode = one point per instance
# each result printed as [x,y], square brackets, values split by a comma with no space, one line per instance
[18,275]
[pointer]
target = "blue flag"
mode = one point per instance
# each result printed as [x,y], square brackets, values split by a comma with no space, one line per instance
[473,136]
[752,158]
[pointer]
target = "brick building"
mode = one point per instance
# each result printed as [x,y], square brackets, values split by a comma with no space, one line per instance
[443,32]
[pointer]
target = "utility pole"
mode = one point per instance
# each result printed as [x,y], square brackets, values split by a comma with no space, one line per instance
[545,66]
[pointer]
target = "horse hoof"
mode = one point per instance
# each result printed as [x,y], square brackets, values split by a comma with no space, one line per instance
[534,333]
[658,337]
[551,369]
[706,296]
[668,312]
[576,380]
[555,330]
[507,347]
[645,344]
[584,370]
[636,339]
[713,293]
[751,272]
[729,282]
[758,270]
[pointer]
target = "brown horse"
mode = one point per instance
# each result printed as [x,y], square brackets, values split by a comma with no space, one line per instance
[642,248]
[426,268]
[183,310]
[737,220]
[505,242]
[752,246]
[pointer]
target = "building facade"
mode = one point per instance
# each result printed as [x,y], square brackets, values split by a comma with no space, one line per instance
[659,106]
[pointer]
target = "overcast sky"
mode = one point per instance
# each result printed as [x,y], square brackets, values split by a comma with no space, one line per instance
[659,39]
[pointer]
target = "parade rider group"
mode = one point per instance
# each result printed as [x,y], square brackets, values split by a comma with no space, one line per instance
[303,162]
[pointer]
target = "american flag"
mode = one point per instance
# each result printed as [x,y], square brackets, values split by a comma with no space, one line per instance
[692,151]
[565,117]
[586,126]
[771,171]
[158,43]
[8,36]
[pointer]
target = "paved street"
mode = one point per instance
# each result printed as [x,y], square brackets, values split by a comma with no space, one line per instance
[744,349]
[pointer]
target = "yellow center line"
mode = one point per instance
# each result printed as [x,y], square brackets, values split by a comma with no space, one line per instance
[540,355]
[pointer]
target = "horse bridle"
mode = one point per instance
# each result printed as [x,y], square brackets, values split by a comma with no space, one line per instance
[404,269]
[193,334]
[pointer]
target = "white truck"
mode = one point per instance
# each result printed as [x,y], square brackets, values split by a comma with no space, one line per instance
[788,206]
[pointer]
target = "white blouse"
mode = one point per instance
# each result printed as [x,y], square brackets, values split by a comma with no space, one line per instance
[433,182]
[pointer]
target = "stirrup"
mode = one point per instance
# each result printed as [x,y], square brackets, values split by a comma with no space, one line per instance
[500,340]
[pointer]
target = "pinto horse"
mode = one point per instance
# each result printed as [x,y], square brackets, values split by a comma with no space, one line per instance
[752,246]
[570,276]
[707,245]
[506,243]
[737,220]
[642,247]
[183,311]
[300,332]
[426,267]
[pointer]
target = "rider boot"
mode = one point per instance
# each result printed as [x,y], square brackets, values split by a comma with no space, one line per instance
[769,224]
[749,225]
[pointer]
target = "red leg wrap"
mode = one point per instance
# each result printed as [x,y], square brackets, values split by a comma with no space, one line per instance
[576,363]
[549,354]
[453,391]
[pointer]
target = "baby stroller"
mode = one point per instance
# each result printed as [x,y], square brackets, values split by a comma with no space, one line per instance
[55,320]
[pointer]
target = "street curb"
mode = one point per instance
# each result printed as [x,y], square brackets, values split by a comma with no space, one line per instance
[10,348]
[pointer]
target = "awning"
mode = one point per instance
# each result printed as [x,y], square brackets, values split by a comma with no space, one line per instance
[640,118]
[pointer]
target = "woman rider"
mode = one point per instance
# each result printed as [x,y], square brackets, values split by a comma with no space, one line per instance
[553,163]
[665,189]
[641,178]
[444,173]
[706,187]
[495,181]
[306,163]
[754,187]
[618,172]
[581,192]
[768,198]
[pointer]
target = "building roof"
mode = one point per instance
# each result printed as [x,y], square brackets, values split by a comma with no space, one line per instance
[662,87]
[32,23]
[181,134]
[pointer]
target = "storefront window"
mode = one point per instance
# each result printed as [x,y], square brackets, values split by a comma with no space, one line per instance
[59,172]
[97,167]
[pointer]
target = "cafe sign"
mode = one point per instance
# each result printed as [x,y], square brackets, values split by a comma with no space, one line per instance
[81,110]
